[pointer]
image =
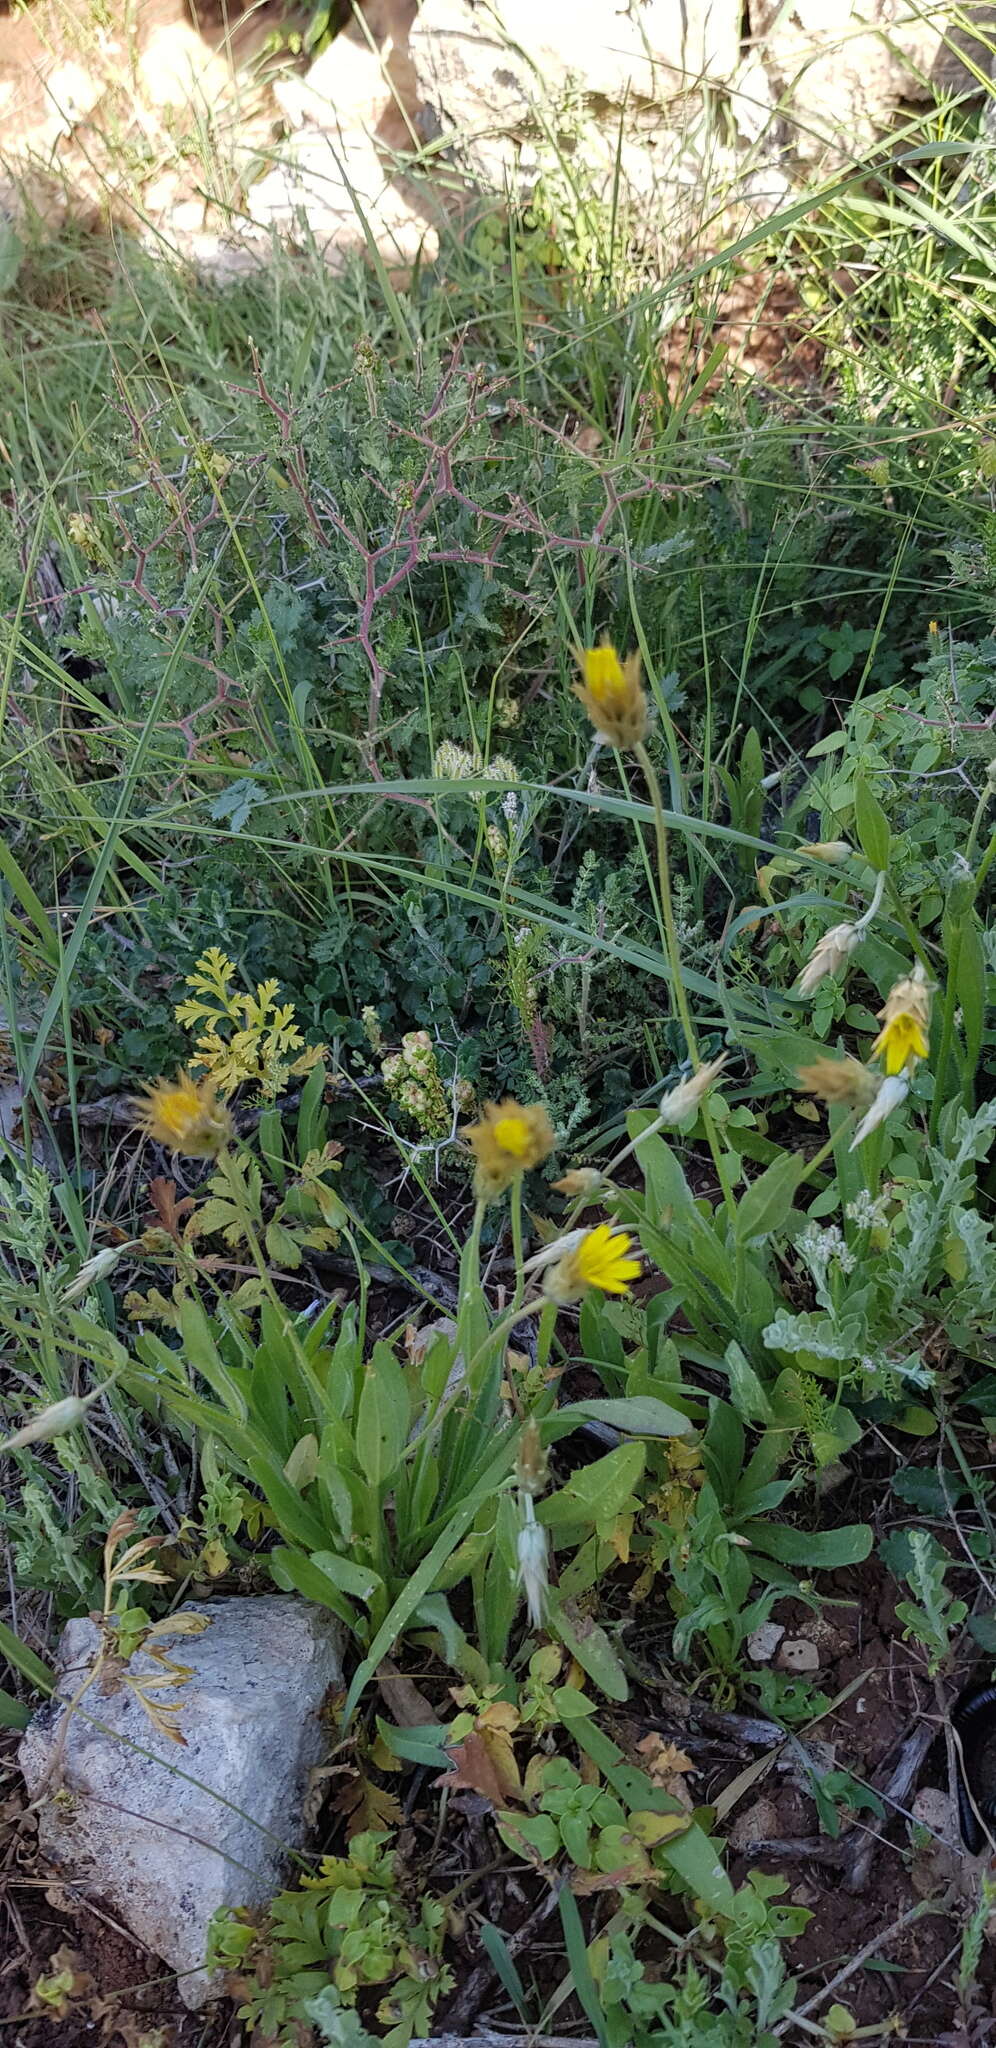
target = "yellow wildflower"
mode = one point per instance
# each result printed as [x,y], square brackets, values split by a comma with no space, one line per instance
[905,1020]
[613,695]
[602,1258]
[901,1042]
[511,1138]
[185,1115]
[845,1081]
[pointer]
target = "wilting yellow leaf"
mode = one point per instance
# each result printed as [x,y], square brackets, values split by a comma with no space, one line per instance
[652,1828]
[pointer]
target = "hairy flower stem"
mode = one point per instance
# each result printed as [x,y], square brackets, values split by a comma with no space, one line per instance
[985,864]
[498,1335]
[470,1284]
[515,1217]
[951,973]
[814,1164]
[947,1031]
[679,996]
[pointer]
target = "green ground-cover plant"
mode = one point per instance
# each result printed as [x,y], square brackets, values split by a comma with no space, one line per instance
[347,1930]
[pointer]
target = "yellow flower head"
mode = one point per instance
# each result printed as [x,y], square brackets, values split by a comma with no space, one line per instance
[602,1258]
[902,1041]
[511,1138]
[185,1115]
[905,1021]
[613,695]
[845,1081]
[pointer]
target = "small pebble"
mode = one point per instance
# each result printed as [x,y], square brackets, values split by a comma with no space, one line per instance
[758,1825]
[934,1810]
[797,1654]
[761,1646]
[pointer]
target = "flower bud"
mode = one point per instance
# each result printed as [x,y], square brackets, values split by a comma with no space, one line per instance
[828,956]
[582,1180]
[893,1091]
[845,1081]
[53,1421]
[829,850]
[531,1563]
[961,887]
[93,1270]
[683,1101]
[530,1469]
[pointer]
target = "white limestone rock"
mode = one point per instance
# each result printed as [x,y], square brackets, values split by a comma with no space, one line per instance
[166,1835]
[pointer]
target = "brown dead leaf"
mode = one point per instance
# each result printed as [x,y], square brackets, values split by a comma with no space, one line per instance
[111,1677]
[666,1766]
[170,1212]
[366,1805]
[660,1757]
[499,1717]
[131,2027]
[135,2032]
[484,1762]
[409,1706]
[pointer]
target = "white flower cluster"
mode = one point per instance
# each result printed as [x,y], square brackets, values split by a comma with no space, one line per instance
[869,1212]
[820,1248]
[415,1084]
[452,763]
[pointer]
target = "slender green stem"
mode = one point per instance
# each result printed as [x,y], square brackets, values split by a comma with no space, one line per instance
[544,1339]
[363,1284]
[986,863]
[947,1032]
[618,1159]
[903,917]
[951,970]
[679,995]
[470,1282]
[498,1335]
[973,831]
